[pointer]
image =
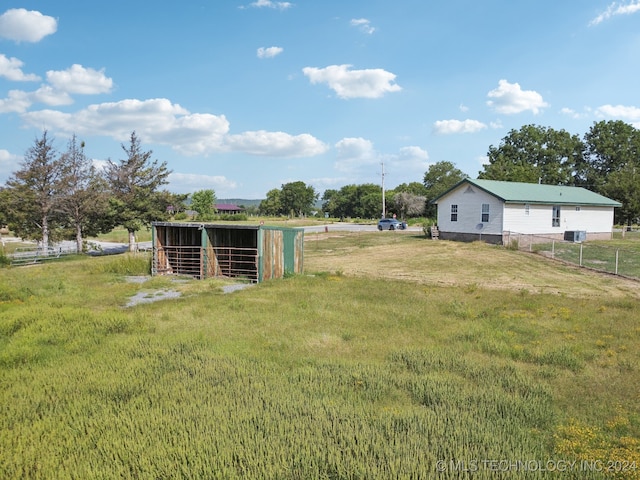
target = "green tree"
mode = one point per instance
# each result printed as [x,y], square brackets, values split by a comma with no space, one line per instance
[329,198]
[612,163]
[415,188]
[134,183]
[204,202]
[271,205]
[33,192]
[408,204]
[84,203]
[355,201]
[535,154]
[296,198]
[439,178]
[609,146]
[623,185]
[4,202]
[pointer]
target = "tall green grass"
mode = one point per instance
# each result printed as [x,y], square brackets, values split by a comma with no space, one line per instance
[306,377]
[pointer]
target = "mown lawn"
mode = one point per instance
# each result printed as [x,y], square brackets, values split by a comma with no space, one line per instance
[337,373]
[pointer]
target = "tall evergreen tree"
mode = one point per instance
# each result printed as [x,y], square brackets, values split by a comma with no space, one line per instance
[134,183]
[34,191]
[85,201]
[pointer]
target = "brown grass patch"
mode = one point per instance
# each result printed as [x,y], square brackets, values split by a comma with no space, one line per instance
[406,256]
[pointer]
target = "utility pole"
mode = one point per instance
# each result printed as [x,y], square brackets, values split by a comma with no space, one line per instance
[384,208]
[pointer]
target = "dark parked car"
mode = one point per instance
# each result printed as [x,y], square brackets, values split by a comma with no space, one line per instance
[391,224]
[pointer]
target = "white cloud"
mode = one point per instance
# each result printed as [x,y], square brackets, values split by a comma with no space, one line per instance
[155,120]
[270,4]
[192,182]
[324,183]
[410,159]
[80,80]
[569,112]
[619,111]
[49,96]
[370,83]
[269,52]
[160,121]
[23,25]
[622,112]
[11,69]
[509,98]
[447,127]
[355,153]
[616,9]
[363,25]
[463,108]
[8,163]
[74,80]
[276,144]
[19,101]
[358,155]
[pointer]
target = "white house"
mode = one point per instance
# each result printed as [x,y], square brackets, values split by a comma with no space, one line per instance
[496,212]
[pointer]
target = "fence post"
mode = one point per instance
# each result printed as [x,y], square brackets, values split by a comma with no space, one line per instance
[553,249]
[617,251]
[580,254]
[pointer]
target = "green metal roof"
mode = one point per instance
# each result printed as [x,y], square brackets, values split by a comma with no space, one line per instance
[517,192]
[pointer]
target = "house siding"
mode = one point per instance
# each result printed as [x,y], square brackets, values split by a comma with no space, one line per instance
[469,200]
[539,220]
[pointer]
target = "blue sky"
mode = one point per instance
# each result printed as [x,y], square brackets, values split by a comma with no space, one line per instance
[242,97]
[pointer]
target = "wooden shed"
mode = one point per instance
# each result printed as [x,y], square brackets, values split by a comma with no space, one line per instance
[202,250]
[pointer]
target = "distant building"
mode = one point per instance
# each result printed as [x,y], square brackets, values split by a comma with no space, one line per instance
[496,211]
[228,208]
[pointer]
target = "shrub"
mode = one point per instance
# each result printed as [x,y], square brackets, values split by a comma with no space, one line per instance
[4,260]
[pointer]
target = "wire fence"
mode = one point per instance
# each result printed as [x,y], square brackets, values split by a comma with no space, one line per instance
[604,256]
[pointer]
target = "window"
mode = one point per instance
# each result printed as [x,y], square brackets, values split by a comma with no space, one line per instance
[485,212]
[555,221]
[526,209]
[454,213]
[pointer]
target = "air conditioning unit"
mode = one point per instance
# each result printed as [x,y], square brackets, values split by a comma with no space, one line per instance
[577,236]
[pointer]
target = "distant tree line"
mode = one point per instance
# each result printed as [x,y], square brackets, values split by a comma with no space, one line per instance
[365,201]
[63,196]
[57,196]
[606,160]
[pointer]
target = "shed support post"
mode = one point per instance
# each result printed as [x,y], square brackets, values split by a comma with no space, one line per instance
[204,261]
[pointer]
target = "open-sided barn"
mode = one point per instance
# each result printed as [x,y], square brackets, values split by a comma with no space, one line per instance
[251,252]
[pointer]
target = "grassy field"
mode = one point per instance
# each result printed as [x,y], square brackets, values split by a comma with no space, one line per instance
[392,357]
[621,255]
